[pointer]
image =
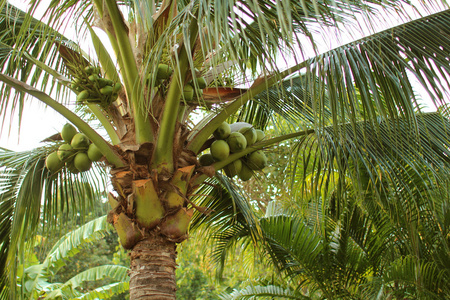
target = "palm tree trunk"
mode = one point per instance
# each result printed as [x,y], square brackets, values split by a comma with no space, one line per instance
[152,270]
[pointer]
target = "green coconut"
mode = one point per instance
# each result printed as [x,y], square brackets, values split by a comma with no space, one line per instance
[164,71]
[80,141]
[220,150]
[74,86]
[53,163]
[237,142]
[117,87]
[245,173]
[250,135]
[102,82]
[201,81]
[260,135]
[83,95]
[67,132]
[107,90]
[223,131]
[257,160]
[188,92]
[91,70]
[93,77]
[234,168]
[94,153]
[82,162]
[65,152]
[206,160]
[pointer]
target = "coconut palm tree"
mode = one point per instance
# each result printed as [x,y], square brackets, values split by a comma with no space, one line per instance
[171,59]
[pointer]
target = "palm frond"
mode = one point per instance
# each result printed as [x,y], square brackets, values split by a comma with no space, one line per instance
[398,153]
[292,244]
[235,31]
[106,291]
[367,79]
[263,292]
[408,272]
[115,272]
[69,245]
[370,78]
[29,52]
[228,218]
[7,199]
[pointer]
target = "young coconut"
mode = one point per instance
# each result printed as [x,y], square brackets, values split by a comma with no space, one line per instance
[90,70]
[80,141]
[65,152]
[220,150]
[53,163]
[257,160]
[107,90]
[93,77]
[67,132]
[201,81]
[102,82]
[188,92]
[83,95]
[250,135]
[222,132]
[246,173]
[82,162]
[163,71]
[206,160]
[117,87]
[260,135]
[94,153]
[233,168]
[237,142]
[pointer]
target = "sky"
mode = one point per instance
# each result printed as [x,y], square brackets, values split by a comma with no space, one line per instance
[40,122]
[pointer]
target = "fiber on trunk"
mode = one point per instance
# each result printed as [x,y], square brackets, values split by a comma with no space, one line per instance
[152,270]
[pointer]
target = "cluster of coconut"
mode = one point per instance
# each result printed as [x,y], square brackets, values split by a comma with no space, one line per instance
[76,154]
[232,138]
[92,88]
[164,72]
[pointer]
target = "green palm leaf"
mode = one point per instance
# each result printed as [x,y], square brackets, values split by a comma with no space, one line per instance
[263,292]
[106,291]
[115,272]
[70,243]
[227,217]
[409,271]
[68,246]
[26,57]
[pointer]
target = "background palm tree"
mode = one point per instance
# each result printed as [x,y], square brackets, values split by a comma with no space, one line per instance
[358,101]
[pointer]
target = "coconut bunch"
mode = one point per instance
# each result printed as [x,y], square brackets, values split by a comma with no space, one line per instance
[189,89]
[92,88]
[164,71]
[76,154]
[232,138]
